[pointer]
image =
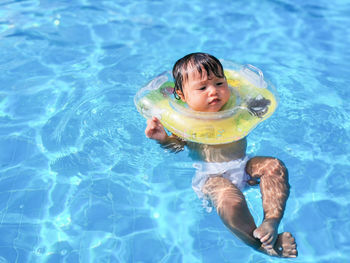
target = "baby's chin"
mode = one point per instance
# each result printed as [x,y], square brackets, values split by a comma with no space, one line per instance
[216,108]
[206,110]
[209,108]
[213,109]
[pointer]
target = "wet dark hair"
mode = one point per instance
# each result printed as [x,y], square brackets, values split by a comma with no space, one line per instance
[198,61]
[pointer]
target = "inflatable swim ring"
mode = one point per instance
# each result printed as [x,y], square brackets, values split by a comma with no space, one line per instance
[252,101]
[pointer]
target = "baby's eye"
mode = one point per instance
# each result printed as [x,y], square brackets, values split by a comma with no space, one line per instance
[202,88]
[219,83]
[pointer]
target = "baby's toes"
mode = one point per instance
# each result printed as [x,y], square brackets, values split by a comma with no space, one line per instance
[266,239]
[257,233]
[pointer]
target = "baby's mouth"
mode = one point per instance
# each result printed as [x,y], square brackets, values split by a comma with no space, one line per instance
[214,101]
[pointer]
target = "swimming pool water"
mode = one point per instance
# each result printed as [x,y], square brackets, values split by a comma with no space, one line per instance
[79,182]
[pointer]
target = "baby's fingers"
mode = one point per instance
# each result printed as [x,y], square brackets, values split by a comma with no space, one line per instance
[151,126]
[150,122]
[150,132]
[156,121]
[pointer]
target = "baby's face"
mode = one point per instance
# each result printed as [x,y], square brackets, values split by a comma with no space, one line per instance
[203,93]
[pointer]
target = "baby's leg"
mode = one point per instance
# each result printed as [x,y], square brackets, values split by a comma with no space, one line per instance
[232,208]
[274,188]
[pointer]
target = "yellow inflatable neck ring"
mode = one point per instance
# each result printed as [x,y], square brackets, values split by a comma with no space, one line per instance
[252,101]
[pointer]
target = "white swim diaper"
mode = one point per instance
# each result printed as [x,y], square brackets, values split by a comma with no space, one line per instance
[232,170]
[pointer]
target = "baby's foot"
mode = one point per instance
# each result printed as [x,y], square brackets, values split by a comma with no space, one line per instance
[267,234]
[282,245]
[285,246]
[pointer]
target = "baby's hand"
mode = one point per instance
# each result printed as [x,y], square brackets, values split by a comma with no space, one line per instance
[155,130]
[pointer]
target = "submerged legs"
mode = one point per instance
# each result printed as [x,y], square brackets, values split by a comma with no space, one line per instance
[233,210]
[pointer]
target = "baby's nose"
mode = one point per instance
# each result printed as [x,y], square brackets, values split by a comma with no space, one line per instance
[212,90]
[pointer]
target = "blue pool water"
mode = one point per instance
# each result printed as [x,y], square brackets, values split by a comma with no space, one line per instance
[79,182]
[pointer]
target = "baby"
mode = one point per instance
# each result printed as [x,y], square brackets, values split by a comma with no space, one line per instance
[225,169]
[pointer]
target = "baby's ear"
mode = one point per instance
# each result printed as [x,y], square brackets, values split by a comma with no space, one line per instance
[181,95]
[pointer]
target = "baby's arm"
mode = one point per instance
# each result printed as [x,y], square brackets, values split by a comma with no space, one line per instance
[156,131]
